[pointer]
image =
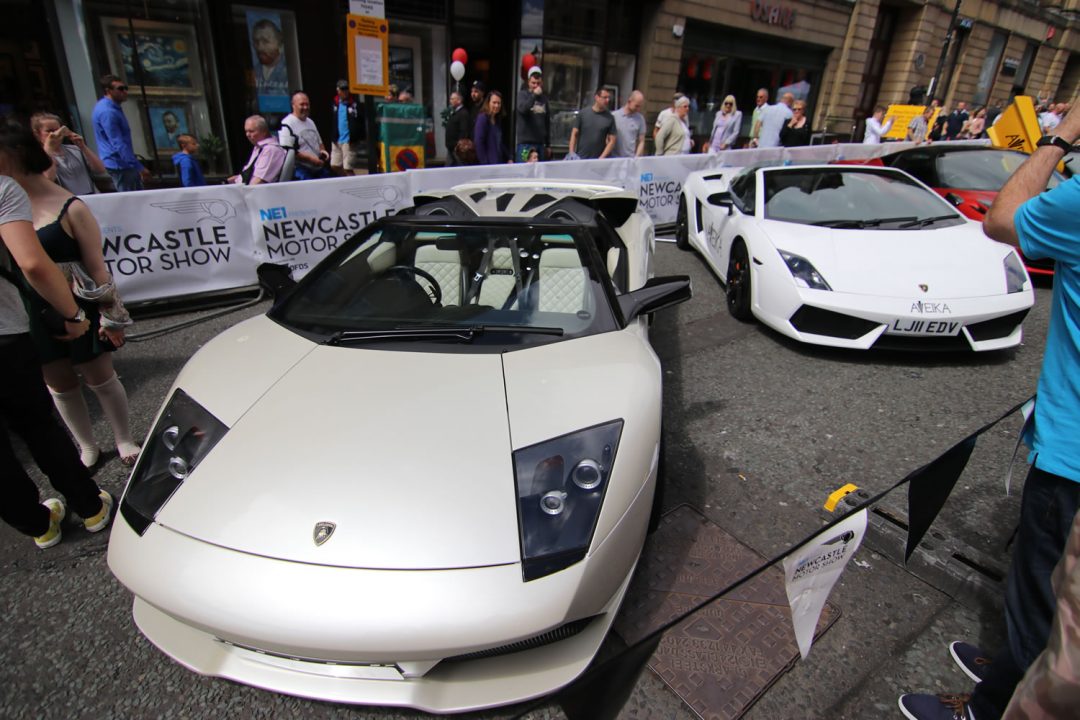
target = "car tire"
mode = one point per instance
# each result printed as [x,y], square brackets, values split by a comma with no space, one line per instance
[658,493]
[682,226]
[737,287]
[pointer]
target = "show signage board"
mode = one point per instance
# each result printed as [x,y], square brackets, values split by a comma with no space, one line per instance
[161,244]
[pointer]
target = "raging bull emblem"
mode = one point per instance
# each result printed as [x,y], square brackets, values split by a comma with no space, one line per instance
[323,531]
[924,287]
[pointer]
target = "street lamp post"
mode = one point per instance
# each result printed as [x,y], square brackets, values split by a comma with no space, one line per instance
[944,52]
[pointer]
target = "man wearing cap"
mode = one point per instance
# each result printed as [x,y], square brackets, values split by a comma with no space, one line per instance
[533,121]
[347,133]
[476,104]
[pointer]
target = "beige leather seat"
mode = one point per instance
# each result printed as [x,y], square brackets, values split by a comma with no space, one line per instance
[445,267]
[561,284]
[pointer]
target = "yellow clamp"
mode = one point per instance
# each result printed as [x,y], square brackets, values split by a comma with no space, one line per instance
[837,496]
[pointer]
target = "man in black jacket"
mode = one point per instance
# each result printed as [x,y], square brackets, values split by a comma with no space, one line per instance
[533,119]
[457,127]
[348,131]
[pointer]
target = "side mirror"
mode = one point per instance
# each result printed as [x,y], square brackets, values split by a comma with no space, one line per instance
[955,199]
[722,199]
[656,294]
[276,279]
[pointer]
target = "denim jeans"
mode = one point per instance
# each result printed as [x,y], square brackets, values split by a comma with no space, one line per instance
[27,410]
[126,180]
[1047,510]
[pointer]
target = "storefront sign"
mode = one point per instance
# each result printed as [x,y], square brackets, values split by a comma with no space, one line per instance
[369,55]
[772,14]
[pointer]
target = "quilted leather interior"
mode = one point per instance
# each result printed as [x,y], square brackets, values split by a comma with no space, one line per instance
[445,267]
[561,281]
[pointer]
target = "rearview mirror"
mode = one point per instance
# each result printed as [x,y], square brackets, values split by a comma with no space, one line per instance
[656,294]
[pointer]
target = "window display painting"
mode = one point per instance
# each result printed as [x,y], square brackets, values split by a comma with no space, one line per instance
[167,122]
[162,56]
[268,58]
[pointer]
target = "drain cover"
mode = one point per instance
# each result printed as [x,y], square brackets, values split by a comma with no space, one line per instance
[724,657]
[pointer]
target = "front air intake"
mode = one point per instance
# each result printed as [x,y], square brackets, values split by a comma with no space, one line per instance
[560,633]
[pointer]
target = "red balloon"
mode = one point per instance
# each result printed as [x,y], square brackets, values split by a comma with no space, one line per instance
[691,67]
[527,61]
[459,55]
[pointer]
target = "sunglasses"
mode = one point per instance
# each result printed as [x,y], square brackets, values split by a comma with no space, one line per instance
[726,104]
[122,88]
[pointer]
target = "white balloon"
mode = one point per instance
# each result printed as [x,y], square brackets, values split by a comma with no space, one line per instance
[457,70]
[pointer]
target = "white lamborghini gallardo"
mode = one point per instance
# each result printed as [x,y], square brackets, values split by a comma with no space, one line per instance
[853,257]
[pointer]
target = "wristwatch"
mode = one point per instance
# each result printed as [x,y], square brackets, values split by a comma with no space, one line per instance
[77,318]
[1057,141]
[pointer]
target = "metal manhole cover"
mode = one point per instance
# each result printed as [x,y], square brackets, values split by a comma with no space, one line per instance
[724,657]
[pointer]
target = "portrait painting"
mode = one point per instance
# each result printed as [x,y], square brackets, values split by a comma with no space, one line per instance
[167,122]
[269,60]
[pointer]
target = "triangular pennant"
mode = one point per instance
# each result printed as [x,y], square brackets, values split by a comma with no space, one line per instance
[929,487]
[811,570]
[602,691]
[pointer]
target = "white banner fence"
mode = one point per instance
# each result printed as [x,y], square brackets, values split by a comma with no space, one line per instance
[162,244]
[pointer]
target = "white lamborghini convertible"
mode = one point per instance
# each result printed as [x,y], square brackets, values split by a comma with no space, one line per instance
[424,477]
[853,257]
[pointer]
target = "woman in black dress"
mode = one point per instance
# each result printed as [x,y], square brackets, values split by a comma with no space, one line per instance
[797,130]
[71,236]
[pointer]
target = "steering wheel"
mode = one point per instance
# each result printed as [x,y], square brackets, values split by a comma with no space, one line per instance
[436,292]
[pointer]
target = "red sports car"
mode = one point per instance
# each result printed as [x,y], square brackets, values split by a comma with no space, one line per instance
[969,177]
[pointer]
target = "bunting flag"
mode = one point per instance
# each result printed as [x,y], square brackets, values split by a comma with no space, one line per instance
[1017,128]
[929,487]
[811,572]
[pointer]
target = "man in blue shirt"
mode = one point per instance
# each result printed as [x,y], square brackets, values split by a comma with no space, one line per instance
[187,167]
[1044,225]
[113,136]
[348,131]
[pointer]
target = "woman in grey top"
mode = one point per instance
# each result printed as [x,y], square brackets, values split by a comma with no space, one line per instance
[74,164]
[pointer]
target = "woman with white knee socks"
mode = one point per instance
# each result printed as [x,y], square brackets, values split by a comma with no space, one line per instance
[72,238]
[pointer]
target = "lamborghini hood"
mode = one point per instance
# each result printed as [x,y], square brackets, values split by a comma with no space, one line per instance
[406,453]
[953,262]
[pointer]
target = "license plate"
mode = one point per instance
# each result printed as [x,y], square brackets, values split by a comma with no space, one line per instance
[911,326]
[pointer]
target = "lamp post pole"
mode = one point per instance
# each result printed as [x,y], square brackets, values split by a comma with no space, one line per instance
[944,52]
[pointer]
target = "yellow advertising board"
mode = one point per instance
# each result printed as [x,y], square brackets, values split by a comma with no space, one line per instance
[369,54]
[903,115]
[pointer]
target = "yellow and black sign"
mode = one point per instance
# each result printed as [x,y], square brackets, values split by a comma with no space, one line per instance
[369,54]
[1018,126]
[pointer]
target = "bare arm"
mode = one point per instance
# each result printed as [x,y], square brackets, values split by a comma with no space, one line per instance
[573,140]
[640,145]
[1029,180]
[84,227]
[609,145]
[96,165]
[42,273]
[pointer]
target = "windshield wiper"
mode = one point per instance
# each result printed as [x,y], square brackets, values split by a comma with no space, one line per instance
[466,333]
[857,223]
[923,222]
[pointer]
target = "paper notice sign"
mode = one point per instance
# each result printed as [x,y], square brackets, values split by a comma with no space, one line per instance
[811,571]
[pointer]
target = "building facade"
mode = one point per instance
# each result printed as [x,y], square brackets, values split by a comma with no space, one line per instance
[202,66]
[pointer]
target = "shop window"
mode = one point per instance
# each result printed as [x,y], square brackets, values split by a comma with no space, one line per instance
[571,76]
[619,76]
[581,20]
[162,51]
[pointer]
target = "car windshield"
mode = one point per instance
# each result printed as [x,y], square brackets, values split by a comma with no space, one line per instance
[852,198]
[982,169]
[468,282]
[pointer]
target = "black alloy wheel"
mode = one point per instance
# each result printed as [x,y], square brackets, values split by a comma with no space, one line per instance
[738,283]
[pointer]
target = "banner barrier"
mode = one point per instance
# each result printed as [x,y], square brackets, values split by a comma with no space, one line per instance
[812,567]
[162,244]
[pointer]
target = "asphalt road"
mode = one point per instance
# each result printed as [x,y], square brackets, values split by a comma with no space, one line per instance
[759,429]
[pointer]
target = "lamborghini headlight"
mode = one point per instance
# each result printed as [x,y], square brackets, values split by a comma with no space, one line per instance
[560,488]
[1016,276]
[805,274]
[184,434]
